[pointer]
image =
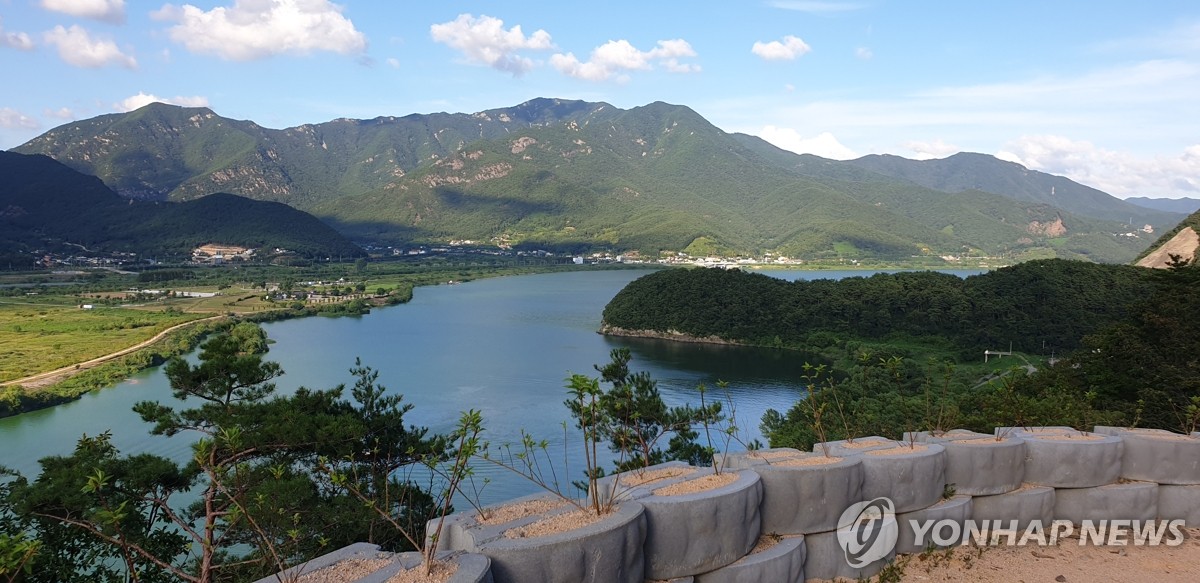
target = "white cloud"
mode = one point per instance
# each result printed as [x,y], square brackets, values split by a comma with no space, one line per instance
[1121,174]
[142,99]
[393,62]
[1183,39]
[13,119]
[816,6]
[14,40]
[104,10]
[791,48]
[78,48]
[1142,106]
[864,53]
[613,58]
[824,144]
[60,113]
[483,40]
[255,29]
[931,150]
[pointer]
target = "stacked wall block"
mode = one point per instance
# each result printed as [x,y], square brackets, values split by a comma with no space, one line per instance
[1042,473]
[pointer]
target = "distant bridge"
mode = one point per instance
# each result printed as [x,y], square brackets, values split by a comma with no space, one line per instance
[997,353]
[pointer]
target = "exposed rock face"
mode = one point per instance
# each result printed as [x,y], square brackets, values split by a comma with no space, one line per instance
[1055,228]
[1183,244]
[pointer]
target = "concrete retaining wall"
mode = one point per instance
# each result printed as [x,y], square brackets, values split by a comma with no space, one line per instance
[1044,473]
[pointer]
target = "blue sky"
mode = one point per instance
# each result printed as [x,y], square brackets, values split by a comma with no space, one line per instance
[1107,93]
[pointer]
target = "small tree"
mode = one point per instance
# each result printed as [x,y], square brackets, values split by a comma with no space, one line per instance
[377,460]
[634,419]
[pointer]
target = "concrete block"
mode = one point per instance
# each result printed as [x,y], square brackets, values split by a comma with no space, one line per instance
[689,534]
[356,551]
[743,460]
[978,464]
[472,568]
[1179,503]
[640,483]
[1125,501]
[957,508]
[1155,455]
[913,478]
[782,563]
[1032,430]
[604,551]
[825,559]
[1030,502]
[1072,459]
[799,499]
[845,447]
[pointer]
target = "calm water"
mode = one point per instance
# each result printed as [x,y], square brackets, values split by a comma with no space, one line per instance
[502,345]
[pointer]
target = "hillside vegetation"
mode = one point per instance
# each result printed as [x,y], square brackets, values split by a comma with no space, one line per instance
[573,175]
[45,205]
[1138,369]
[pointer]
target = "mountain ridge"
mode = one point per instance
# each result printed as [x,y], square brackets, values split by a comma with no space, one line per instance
[966,171]
[575,175]
[1174,205]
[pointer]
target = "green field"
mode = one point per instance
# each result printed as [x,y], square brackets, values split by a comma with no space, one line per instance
[42,335]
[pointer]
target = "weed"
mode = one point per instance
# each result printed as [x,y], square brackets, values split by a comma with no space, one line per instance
[948,491]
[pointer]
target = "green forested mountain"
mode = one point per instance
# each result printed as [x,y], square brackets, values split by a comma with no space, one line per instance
[45,205]
[168,152]
[574,175]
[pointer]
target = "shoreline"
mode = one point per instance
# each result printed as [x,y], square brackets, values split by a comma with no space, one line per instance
[16,398]
[674,335]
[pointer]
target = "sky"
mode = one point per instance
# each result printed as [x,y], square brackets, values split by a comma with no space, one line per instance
[1104,92]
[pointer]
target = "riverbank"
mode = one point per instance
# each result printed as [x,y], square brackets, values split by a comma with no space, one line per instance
[70,382]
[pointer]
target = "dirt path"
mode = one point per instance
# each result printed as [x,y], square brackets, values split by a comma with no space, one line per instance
[45,379]
[1068,562]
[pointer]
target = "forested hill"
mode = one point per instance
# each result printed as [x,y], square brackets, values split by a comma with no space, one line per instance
[45,205]
[1034,306]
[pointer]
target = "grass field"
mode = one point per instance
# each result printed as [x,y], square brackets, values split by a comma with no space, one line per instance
[38,335]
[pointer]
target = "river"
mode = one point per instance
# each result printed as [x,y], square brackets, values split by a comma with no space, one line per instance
[502,345]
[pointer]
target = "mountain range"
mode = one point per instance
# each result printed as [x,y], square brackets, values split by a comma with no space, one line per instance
[1174,205]
[47,206]
[575,175]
